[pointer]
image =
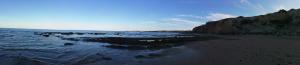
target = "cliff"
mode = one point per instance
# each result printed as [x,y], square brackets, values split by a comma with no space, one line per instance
[281,22]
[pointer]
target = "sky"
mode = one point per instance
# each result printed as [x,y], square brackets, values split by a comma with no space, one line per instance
[129,15]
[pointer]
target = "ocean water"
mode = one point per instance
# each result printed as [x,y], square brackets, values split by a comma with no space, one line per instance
[24,47]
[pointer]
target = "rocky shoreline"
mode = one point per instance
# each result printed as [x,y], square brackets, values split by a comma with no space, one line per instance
[131,43]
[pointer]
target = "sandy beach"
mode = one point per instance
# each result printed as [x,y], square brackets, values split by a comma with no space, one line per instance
[235,50]
[248,50]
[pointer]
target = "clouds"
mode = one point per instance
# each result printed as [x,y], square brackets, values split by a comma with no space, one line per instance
[286,4]
[191,16]
[267,6]
[186,21]
[176,23]
[180,21]
[210,16]
[253,6]
[218,16]
[197,19]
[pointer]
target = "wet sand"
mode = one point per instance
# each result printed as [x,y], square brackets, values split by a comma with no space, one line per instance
[247,50]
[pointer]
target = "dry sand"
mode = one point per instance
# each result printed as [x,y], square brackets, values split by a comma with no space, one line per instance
[247,50]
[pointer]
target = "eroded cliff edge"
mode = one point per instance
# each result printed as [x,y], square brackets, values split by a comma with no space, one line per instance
[281,22]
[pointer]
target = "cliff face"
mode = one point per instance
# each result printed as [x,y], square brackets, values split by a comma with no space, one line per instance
[281,22]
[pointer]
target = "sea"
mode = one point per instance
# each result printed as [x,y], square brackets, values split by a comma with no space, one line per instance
[24,47]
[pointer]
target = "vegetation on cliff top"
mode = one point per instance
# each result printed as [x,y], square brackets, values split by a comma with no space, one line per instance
[281,22]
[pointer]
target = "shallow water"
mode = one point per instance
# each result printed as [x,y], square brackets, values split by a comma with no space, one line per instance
[23,47]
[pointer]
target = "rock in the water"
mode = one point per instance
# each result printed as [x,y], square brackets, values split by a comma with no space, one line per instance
[46,35]
[106,58]
[79,33]
[281,22]
[68,44]
[67,33]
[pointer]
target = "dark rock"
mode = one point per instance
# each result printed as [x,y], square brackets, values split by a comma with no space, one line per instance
[68,44]
[97,33]
[67,33]
[79,33]
[148,43]
[46,35]
[71,39]
[106,58]
[282,22]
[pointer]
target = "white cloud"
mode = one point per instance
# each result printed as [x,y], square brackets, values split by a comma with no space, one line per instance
[268,6]
[168,25]
[218,16]
[186,21]
[194,20]
[257,7]
[191,16]
[179,21]
[209,17]
[286,4]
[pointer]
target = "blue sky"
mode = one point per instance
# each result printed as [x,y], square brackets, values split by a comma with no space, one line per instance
[129,14]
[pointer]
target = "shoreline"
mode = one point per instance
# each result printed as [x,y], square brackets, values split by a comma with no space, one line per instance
[47,49]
